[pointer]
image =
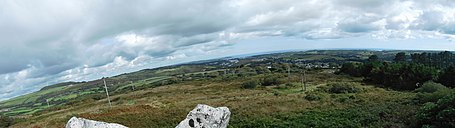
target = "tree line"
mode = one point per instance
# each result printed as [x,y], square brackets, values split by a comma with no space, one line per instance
[403,73]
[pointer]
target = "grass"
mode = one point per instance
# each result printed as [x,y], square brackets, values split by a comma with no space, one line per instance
[69,96]
[144,82]
[29,97]
[272,106]
[321,57]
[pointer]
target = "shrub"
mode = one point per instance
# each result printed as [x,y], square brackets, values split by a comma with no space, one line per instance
[250,84]
[5,122]
[269,81]
[430,87]
[292,84]
[431,92]
[281,87]
[97,96]
[431,97]
[342,87]
[439,114]
[313,97]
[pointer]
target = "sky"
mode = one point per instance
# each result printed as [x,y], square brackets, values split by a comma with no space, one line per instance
[44,42]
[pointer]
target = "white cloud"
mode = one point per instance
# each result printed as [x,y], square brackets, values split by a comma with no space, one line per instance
[71,40]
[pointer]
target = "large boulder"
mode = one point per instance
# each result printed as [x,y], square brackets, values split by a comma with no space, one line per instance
[204,116]
[75,122]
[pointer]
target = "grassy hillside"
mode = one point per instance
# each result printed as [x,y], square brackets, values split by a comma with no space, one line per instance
[284,105]
[261,91]
[29,97]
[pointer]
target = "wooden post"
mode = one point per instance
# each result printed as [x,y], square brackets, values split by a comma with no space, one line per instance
[47,103]
[107,93]
[301,82]
[289,73]
[304,79]
[132,85]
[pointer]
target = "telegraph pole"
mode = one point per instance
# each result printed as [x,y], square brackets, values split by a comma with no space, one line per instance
[47,100]
[47,103]
[132,85]
[289,71]
[303,80]
[107,93]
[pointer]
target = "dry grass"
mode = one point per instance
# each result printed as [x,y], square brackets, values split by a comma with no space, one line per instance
[166,106]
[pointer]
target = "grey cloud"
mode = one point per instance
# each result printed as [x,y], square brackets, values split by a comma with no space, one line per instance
[361,24]
[38,24]
[70,40]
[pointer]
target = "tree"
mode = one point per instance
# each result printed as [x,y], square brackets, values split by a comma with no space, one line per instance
[400,57]
[352,69]
[416,73]
[398,75]
[417,58]
[250,84]
[447,78]
[262,70]
[271,80]
[373,58]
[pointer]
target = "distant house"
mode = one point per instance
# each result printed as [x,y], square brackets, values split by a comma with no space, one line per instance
[233,61]
[259,60]
[5,110]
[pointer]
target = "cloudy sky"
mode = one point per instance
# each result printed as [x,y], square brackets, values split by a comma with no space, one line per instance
[49,41]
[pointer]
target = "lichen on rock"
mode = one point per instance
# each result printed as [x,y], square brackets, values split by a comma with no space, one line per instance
[204,116]
[75,122]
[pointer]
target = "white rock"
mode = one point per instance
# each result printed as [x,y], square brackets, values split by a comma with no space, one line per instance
[75,122]
[204,116]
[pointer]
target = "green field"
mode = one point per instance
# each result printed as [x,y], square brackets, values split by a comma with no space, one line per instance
[280,105]
[256,95]
[29,97]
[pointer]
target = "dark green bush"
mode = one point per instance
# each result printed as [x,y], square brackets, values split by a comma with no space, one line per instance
[269,81]
[250,84]
[313,97]
[342,87]
[97,96]
[430,87]
[448,77]
[292,84]
[6,121]
[431,92]
[439,114]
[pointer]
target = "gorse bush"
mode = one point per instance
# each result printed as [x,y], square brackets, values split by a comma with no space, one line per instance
[439,114]
[269,81]
[431,92]
[250,84]
[6,121]
[342,87]
[313,97]
[430,87]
